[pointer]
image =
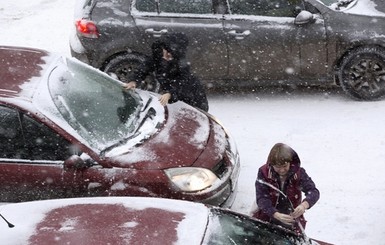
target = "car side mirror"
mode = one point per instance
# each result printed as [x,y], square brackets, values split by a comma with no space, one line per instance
[75,162]
[304,17]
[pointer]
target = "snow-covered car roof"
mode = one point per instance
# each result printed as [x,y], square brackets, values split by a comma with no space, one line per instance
[108,220]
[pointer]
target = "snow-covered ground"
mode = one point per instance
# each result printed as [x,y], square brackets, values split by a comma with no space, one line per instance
[341,142]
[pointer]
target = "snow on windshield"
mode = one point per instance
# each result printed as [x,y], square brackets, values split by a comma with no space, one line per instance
[43,101]
[93,104]
[149,121]
[366,7]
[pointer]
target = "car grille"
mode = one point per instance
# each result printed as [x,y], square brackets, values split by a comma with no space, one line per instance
[220,169]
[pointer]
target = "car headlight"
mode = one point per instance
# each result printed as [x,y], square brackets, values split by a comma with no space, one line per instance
[191,179]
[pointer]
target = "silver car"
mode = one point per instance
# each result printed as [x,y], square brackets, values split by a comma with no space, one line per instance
[244,42]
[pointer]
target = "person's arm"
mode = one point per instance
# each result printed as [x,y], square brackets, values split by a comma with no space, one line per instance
[139,74]
[200,95]
[312,194]
[265,204]
[169,93]
[172,83]
[130,85]
[263,196]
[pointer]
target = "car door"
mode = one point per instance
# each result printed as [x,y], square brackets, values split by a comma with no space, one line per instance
[198,20]
[265,44]
[31,161]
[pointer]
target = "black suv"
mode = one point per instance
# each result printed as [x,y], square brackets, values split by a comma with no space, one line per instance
[244,42]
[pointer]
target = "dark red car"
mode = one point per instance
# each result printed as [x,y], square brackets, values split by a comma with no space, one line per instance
[69,130]
[136,221]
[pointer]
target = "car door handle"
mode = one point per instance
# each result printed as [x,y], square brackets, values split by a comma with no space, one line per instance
[156,33]
[239,35]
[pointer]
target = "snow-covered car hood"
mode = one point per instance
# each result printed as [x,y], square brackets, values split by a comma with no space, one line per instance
[180,141]
[111,220]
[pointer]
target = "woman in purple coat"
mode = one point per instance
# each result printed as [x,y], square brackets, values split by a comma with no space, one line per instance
[279,188]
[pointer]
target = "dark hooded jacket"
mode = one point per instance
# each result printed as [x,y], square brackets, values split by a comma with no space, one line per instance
[173,76]
[270,201]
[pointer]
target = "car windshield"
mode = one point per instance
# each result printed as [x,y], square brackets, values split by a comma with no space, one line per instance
[329,2]
[93,104]
[230,228]
[338,4]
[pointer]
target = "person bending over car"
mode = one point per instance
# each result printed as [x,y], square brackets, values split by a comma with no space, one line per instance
[279,186]
[172,72]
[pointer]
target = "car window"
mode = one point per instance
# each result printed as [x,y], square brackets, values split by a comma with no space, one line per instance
[176,6]
[23,138]
[42,143]
[186,6]
[146,5]
[10,134]
[279,8]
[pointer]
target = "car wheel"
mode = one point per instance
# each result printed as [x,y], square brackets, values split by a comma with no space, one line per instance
[121,66]
[362,73]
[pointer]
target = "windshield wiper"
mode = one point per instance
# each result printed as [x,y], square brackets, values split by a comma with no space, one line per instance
[123,114]
[147,104]
[130,106]
[342,3]
[149,114]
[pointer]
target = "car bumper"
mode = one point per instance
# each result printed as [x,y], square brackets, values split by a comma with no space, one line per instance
[77,49]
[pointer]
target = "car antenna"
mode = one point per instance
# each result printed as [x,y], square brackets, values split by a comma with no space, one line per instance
[291,205]
[10,225]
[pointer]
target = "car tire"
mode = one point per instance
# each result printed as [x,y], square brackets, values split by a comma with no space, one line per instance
[362,73]
[122,65]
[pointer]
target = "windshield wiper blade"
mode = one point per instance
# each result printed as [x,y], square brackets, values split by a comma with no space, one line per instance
[149,114]
[147,104]
[343,3]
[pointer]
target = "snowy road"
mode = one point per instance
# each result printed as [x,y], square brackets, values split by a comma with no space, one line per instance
[341,142]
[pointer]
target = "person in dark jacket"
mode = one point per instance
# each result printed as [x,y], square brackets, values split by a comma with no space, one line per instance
[279,186]
[168,63]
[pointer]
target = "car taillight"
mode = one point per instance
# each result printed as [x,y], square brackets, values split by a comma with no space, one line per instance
[87,28]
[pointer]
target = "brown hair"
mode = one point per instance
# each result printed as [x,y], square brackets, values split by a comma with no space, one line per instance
[280,154]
